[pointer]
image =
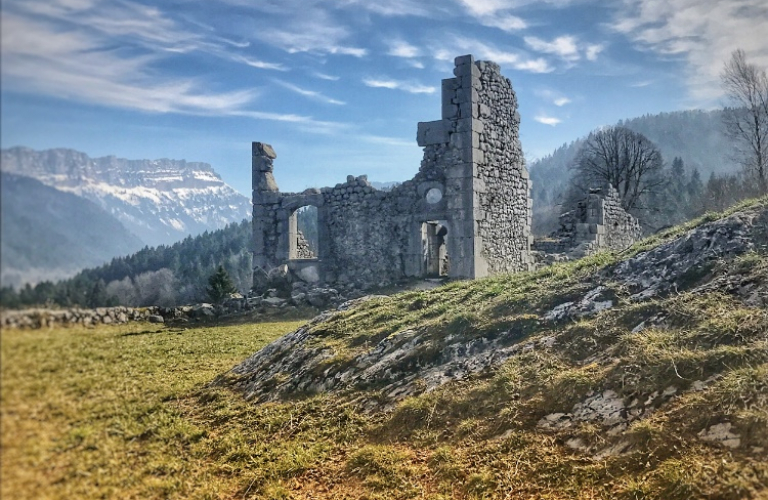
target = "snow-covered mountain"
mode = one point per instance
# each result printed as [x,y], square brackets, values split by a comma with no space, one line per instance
[160,201]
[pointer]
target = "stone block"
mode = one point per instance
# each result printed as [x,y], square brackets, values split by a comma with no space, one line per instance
[450,85]
[450,111]
[429,133]
[467,70]
[263,149]
[467,60]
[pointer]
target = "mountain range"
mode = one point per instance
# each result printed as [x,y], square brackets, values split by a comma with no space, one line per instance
[149,203]
[160,202]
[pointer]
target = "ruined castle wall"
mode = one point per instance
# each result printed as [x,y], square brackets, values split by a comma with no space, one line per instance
[503,207]
[597,223]
[622,230]
[472,188]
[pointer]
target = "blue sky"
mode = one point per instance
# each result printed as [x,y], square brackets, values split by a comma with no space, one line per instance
[337,86]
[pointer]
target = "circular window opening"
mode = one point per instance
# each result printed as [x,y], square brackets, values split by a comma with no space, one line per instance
[434,195]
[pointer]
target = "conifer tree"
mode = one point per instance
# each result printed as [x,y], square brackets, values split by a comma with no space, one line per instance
[220,285]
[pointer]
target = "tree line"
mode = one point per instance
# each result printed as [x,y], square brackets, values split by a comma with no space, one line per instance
[167,275]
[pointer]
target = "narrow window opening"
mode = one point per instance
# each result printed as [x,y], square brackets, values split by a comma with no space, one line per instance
[303,233]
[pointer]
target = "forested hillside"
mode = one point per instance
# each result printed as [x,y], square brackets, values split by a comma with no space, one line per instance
[163,275]
[47,233]
[709,172]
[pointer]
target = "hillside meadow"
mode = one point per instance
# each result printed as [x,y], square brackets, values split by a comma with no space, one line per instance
[130,411]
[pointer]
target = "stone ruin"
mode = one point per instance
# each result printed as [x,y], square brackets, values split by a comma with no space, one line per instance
[597,223]
[466,213]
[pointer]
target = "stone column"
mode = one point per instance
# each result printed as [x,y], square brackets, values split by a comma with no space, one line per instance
[265,195]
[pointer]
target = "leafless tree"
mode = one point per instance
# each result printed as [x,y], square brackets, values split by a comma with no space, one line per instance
[626,159]
[746,87]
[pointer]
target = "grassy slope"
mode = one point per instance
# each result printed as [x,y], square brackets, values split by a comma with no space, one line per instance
[96,413]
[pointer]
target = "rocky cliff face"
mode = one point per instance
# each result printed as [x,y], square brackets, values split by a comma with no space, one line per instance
[161,201]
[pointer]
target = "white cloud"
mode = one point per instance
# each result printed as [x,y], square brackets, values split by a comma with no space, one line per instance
[641,84]
[493,13]
[308,29]
[504,22]
[68,64]
[547,120]
[324,76]
[703,33]
[411,87]
[563,46]
[593,50]
[400,48]
[312,94]
[447,48]
[255,63]
[555,98]
[392,7]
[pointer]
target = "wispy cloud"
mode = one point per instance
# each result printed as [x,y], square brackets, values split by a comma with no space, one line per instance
[255,63]
[401,48]
[552,96]
[71,65]
[311,30]
[131,25]
[411,87]
[388,141]
[312,94]
[447,47]
[643,83]
[562,46]
[40,57]
[592,51]
[703,33]
[494,14]
[324,76]
[566,47]
[547,120]
[392,8]
[305,123]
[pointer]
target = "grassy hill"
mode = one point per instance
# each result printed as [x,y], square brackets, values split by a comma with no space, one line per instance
[641,375]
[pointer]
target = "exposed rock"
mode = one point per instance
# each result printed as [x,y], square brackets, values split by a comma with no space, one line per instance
[587,306]
[721,434]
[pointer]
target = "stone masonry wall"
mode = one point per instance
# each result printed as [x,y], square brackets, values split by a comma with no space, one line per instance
[472,182]
[597,223]
[503,187]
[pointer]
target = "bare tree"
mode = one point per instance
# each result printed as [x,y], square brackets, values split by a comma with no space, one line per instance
[626,159]
[746,122]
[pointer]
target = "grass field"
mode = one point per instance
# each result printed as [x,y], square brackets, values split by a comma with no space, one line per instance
[111,412]
[126,411]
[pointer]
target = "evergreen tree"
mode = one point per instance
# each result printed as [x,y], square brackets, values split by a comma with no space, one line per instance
[220,285]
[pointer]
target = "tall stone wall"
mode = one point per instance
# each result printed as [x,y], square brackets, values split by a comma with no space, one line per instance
[472,185]
[503,187]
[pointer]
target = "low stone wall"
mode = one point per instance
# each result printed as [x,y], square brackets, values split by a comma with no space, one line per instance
[299,296]
[41,318]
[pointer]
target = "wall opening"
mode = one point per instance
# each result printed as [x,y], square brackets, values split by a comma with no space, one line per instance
[434,244]
[302,233]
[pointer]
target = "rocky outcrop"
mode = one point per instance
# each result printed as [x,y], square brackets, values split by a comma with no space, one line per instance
[409,362]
